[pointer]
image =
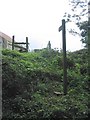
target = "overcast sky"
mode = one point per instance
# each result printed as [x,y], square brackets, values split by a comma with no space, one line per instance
[38,20]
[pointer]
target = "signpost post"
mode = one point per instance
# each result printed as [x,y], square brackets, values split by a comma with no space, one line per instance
[62,27]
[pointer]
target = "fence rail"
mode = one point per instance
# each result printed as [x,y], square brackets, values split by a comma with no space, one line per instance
[17,44]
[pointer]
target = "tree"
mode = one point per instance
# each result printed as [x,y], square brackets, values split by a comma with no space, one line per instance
[78,10]
[78,14]
[49,45]
[84,32]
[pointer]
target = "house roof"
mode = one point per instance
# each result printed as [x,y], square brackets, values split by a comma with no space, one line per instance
[6,37]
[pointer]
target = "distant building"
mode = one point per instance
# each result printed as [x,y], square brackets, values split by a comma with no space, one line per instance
[5,41]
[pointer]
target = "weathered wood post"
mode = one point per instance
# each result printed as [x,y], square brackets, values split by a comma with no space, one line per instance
[13,37]
[64,57]
[62,27]
[26,44]
[89,38]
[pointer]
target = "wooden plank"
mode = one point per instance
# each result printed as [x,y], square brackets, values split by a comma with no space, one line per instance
[20,47]
[19,43]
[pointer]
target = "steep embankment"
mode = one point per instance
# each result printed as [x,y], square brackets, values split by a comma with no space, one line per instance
[33,85]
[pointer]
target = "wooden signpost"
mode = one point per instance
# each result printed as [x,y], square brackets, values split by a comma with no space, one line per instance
[62,27]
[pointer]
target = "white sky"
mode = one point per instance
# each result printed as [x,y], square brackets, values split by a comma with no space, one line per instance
[38,20]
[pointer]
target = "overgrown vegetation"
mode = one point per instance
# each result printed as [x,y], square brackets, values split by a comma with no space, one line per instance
[31,80]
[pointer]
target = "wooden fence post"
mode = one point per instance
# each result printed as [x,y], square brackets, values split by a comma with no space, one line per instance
[26,44]
[88,42]
[13,42]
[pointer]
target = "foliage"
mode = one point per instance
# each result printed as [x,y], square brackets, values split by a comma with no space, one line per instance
[31,80]
[84,32]
[78,10]
[78,14]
